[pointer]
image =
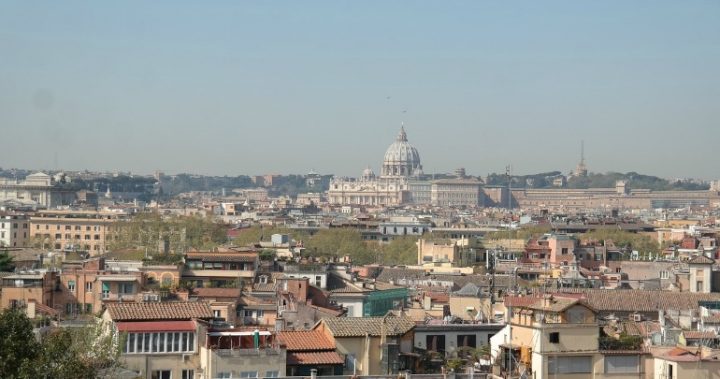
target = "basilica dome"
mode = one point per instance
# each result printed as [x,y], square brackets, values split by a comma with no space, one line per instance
[401,158]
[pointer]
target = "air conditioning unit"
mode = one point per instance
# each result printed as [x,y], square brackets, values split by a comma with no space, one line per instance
[185,357]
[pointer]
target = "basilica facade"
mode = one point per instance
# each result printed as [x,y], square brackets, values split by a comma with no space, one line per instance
[400,165]
[402,181]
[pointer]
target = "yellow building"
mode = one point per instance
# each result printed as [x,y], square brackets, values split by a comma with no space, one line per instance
[75,230]
[560,337]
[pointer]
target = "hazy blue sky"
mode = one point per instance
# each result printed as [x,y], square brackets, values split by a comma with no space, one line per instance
[241,87]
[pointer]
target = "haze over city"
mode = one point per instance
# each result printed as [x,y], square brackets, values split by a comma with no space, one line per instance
[251,87]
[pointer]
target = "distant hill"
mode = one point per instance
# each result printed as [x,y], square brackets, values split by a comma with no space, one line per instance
[597,180]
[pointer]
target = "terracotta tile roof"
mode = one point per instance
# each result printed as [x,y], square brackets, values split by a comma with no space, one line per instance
[222,257]
[264,287]
[314,358]
[185,310]
[679,354]
[306,340]
[156,326]
[641,300]
[699,335]
[555,304]
[713,318]
[217,292]
[519,301]
[438,297]
[360,326]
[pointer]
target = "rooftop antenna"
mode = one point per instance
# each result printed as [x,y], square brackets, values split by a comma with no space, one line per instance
[582,152]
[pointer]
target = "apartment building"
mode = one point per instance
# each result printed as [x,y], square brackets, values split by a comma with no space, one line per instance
[84,287]
[90,231]
[14,230]
[222,268]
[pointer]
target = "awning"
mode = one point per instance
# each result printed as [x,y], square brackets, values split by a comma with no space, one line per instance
[156,326]
[314,358]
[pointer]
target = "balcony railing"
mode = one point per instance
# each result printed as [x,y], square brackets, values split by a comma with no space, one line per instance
[247,352]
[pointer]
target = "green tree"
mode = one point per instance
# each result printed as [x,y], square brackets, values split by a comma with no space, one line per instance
[150,230]
[400,251]
[640,242]
[6,261]
[18,347]
[341,242]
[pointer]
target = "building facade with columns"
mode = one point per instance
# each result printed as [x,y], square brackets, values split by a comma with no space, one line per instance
[402,181]
[401,164]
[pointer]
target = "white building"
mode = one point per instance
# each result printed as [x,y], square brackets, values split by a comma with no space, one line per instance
[14,230]
[400,164]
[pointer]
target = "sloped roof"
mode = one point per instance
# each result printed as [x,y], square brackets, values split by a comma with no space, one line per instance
[360,326]
[314,358]
[310,340]
[180,310]
[640,300]
[699,335]
[701,260]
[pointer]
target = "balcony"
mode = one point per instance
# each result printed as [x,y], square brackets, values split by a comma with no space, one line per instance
[624,343]
[212,273]
[119,297]
[248,352]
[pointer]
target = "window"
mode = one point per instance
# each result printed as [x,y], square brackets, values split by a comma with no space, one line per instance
[187,374]
[88,286]
[71,285]
[466,340]
[664,274]
[272,374]
[570,365]
[435,342]
[554,337]
[164,342]
[125,288]
[105,290]
[318,280]
[161,374]
[622,364]
[248,374]
[223,375]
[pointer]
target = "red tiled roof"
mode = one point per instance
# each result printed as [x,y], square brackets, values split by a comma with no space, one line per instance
[314,358]
[156,326]
[438,297]
[697,335]
[177,310]
[520,301]
[44,309]
[306,340]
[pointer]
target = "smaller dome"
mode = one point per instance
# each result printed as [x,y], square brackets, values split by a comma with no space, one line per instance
[368,174]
